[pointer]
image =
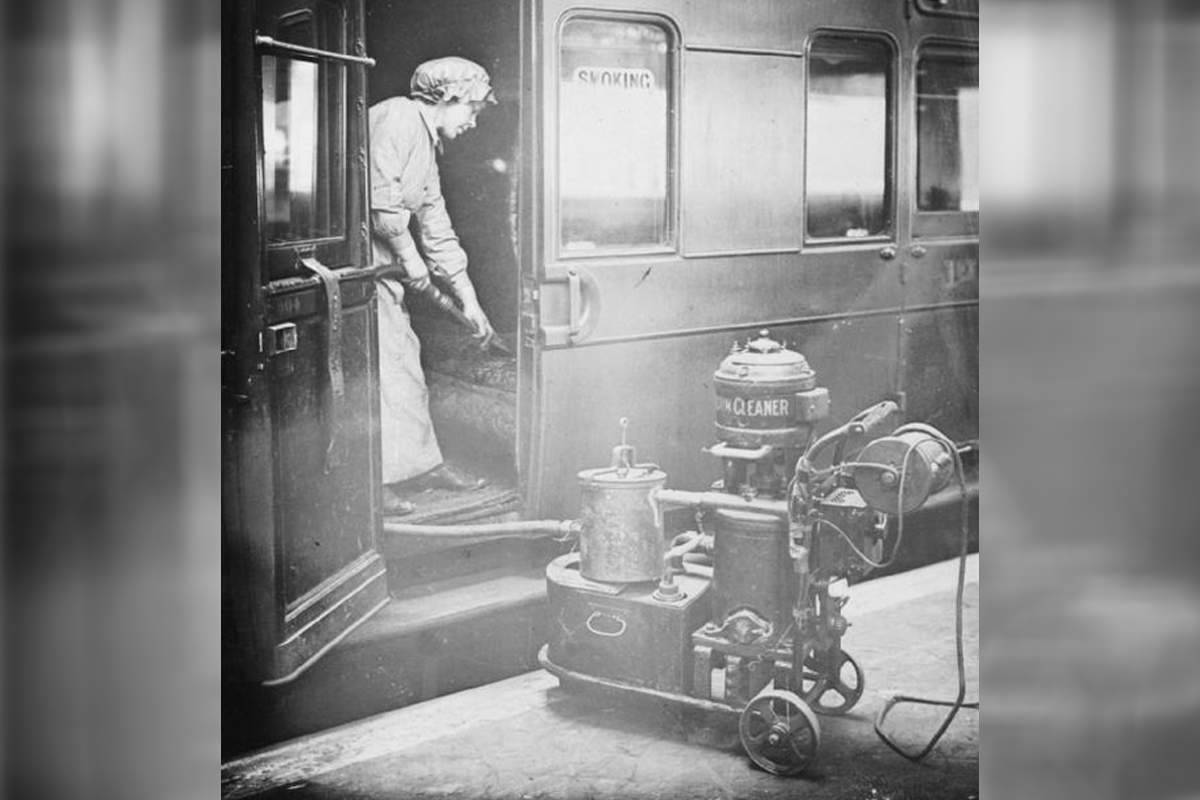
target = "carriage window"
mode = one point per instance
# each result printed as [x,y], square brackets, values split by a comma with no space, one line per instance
[304,134]
[615,99]
[948,133]
[848,163]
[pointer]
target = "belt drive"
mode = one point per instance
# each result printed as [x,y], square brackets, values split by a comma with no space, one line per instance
[336,385]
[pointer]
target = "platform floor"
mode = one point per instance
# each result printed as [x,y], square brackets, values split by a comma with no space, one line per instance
[525,737]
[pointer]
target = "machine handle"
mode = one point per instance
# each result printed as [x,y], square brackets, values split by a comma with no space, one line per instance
[861,423]
[600,615]
[869,418]
[722,450]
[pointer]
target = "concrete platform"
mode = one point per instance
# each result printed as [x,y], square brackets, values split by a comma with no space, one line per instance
[525,737]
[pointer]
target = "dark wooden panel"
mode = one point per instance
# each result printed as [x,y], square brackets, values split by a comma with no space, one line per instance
[948,272]
[942,370]
[323,517]
[742,152]
[303,297]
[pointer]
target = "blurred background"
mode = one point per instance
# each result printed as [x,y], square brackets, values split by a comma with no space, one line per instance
[1090,331]
[1090,373]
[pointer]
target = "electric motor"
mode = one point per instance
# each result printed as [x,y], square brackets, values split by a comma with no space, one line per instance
[912,463]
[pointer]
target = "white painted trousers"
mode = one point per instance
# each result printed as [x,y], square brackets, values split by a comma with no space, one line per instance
[407,441]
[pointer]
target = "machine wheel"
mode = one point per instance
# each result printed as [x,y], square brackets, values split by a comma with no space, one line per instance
[832,695]
[779,732]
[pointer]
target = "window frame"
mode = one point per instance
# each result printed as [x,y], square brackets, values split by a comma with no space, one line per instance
[675,49]
[891,137]
[937,224]
[281,258]
[946,8]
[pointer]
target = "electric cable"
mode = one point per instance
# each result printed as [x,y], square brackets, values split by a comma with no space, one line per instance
[958,703]
[850,543]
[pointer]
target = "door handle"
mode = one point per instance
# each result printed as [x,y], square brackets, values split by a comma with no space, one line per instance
[574,304]
[281,338]
[888,253]
[583,304]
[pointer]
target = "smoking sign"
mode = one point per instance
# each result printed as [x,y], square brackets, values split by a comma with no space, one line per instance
[615,77]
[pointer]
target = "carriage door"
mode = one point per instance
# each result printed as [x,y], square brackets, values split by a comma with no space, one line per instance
[942,253]
[302,402]
[656,251]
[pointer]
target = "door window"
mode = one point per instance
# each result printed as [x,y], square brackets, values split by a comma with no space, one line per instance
[615,102]
[848,165]
[304,132]
[947,132]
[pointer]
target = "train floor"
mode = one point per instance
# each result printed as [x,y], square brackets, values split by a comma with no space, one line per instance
[498,496]
[526,737]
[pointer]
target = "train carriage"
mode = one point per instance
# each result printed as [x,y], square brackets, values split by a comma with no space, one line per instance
[660,180]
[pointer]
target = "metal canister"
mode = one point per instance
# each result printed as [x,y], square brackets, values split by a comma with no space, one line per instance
[621,537]
[752,565]
[767,394]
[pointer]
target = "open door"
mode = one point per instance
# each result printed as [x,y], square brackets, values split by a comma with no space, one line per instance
[300,406]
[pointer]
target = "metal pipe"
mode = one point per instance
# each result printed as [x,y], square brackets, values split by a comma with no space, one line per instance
[735,502]
[560,529]
[681,545]
[299,49]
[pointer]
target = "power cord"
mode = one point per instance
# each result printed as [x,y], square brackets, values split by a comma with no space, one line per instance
[958,703]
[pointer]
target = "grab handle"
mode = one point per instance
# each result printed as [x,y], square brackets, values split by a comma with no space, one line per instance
[598,615]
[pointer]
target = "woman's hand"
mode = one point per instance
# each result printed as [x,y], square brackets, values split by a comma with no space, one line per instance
[474,313]
[470,306]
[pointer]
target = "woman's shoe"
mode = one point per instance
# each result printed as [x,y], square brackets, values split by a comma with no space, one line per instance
[394,505]
[445,477]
